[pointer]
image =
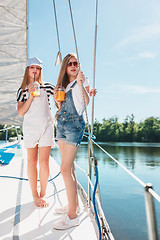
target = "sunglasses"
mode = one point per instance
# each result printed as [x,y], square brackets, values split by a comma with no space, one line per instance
[75,64]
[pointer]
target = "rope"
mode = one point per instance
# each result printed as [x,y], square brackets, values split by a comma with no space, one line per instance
[135,177]
[86,135]
[59,56]
[105,225]
[85,108]
[26,179]
[74,34]
[154,194]
[89,180]
[94,204]
[94,66]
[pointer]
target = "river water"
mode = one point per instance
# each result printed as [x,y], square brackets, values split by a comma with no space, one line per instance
[122,197]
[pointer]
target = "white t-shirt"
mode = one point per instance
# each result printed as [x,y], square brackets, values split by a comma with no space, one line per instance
[77,96]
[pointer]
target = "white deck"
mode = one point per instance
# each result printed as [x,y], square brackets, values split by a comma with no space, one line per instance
[21,219]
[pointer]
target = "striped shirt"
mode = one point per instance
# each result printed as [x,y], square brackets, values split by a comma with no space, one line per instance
[22,97]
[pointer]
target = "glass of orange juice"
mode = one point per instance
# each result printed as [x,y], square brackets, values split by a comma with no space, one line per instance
[60,93]
[36,92]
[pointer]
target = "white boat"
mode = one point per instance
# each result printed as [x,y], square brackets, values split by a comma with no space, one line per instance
[19,218]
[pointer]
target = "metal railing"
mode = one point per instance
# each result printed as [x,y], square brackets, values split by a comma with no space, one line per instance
[6,128]
[105,229]
[103,226]
[149,194]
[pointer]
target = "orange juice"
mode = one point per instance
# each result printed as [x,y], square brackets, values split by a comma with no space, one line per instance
[36,93]
[60,96]
[60,93]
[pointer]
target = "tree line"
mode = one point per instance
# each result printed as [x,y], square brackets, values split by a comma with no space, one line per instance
[110,130]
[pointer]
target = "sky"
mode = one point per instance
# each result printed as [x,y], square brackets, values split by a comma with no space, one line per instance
[127,75]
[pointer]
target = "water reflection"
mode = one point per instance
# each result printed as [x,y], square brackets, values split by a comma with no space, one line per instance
[130,154]
[142,159]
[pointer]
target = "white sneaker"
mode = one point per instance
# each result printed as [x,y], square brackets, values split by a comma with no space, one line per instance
[65,209]
[66,223]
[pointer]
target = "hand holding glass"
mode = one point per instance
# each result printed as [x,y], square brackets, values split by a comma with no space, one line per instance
[60,94]
[36,92]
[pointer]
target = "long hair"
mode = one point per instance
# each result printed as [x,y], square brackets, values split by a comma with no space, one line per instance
[63,77]
[26,79]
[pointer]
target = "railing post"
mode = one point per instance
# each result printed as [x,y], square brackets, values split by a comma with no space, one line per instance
[6,134]
[150,213]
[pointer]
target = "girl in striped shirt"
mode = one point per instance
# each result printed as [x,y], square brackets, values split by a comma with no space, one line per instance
[37,127]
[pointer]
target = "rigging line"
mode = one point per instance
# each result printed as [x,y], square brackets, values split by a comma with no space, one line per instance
[56,24]
[73,28]
[91,151]
[55,15]
[94,66]
[154,194]
[131,174]
[75,41]
[89,180]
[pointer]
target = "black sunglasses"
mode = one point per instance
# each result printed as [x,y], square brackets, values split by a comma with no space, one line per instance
[75,64]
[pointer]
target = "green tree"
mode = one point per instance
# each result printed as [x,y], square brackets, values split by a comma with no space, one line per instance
[110,130]
[151,130]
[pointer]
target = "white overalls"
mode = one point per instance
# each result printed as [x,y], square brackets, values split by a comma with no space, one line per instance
[38,123]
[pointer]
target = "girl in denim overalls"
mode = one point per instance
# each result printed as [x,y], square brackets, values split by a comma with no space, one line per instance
[70,129]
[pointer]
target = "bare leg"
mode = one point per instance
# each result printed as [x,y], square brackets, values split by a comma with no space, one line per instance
[74,175]
[32,174]
[68,154]
[44,153]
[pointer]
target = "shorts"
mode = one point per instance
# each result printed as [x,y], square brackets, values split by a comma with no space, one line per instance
[70,130]
[41,135]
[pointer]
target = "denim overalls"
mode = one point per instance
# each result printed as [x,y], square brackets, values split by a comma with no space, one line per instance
[70,125]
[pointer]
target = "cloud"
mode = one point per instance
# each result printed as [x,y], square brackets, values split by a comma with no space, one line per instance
[141,55]
[141,89]
[131,89]
[150,55]
[141,34]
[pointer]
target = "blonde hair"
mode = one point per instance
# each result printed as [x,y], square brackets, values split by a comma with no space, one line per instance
[63,77]
[26,79]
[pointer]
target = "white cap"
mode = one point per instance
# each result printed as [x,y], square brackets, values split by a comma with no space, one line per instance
[34,61]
